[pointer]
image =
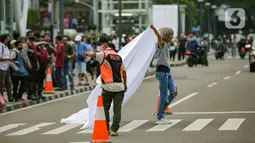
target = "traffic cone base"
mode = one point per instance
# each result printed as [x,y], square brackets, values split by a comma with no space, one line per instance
[100,131]
[48,85]
[167,110]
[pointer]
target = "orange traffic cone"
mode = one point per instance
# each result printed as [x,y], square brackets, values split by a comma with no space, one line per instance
[100,131]
[48,85]
[167,110]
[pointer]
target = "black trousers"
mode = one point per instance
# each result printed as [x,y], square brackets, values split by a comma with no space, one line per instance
[41,75]
[117,98]
[32,82]
[181,54]
[19,86]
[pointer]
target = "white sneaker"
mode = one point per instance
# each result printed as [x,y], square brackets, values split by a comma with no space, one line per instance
[163,121]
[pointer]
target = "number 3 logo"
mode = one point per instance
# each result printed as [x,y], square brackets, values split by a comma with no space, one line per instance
[235,18]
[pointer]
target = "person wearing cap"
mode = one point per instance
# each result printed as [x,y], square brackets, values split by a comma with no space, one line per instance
[80,59]
[114,81]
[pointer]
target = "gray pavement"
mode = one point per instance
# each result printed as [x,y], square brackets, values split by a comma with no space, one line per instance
[214,105]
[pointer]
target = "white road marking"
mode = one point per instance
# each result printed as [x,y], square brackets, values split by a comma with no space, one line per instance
[197,125]
[10,126]
[238,72]
[228,77]
[209,113]
[45,103]
[246,66]
[149,77]
[211,85]
[86,131]
[30,129]
[61,129]
[182,100]
[79,142]
[232,124]
[164,127]
[132,125]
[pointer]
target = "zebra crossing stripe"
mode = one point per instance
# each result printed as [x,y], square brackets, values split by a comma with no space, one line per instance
[163,127]
[232,124]
[86,131]
[62,129]
[10,126]
[197,125]
[30,129]
[79,142]
[132,125]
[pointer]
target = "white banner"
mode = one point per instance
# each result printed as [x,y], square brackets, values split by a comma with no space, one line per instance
[137,56]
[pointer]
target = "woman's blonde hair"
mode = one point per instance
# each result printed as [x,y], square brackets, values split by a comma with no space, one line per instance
[165,33]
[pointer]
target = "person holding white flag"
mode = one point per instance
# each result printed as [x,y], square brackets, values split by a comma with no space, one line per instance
[114,81]
[163,74]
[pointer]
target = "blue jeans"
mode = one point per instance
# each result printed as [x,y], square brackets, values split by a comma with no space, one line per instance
[60,77]
[234,47]
[166,83]
[68,71]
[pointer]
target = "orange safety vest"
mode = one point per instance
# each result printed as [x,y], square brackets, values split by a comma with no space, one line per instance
[111,67]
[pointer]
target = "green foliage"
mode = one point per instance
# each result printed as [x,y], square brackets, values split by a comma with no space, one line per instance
[33,16]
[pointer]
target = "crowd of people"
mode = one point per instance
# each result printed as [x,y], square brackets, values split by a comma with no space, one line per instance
[24,62]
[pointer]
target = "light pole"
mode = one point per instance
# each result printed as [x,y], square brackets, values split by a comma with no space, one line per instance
[119,24]
[61,17]
[178,5]
[200,16]
[214,19]
[94,9]
[208,4]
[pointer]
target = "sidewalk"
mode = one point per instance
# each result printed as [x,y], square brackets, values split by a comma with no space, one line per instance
[61,94]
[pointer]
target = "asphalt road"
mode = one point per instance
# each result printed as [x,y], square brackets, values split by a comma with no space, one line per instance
[215,105]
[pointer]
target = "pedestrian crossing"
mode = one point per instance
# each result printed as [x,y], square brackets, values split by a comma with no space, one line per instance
[183,125]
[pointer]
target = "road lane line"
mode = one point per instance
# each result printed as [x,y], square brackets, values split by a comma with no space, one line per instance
[209,113]
[86,131]
[232,124]
[182,100]
[246,66]
[79,142]
[61,129]
[132,125]
[238,72]
[164,127]
[30,129]
[45,103]
[10,126]
[197,125]
[213,84]
[228,77]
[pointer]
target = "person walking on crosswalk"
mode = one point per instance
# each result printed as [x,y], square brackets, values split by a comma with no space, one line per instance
[163,74]
[114,81]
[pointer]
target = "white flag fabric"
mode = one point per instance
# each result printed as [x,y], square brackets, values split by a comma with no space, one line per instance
[136,56]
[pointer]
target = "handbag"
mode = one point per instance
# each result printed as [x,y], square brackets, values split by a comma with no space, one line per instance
[2,101]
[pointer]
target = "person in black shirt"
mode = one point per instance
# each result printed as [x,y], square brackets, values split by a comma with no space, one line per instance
[182,45]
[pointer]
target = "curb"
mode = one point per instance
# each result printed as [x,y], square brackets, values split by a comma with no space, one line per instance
[49,97]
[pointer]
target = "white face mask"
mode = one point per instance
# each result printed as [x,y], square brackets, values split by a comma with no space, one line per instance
[99,48]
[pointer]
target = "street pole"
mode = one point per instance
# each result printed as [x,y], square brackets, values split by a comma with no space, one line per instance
[11,16]
[201,19]
[119,25]
[190,16]
[61,17]
[95,14]
[178,33]
[208,18]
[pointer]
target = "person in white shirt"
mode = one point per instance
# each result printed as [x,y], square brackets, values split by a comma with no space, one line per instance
[5,60]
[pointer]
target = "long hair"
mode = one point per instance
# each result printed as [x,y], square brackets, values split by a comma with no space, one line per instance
[165,33]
